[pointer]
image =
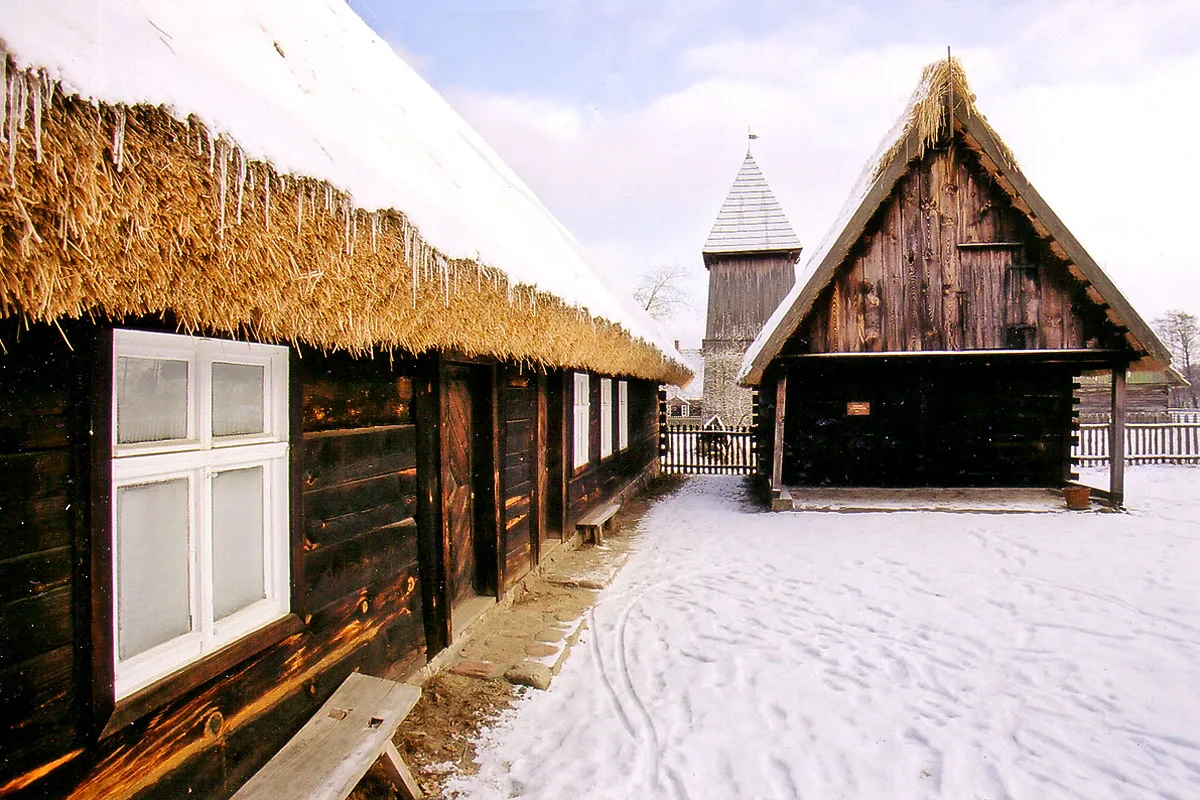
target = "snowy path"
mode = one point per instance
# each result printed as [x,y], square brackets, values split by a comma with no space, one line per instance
[905,655]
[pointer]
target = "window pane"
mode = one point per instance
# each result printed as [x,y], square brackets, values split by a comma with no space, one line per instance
[237,399]
[152,398]
[237,508]
[153,595]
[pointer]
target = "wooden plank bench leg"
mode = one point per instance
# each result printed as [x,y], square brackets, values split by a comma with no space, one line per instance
[399,774]
[327,758]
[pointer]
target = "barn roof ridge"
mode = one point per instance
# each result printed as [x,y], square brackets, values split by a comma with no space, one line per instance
[751,219]
[943,85]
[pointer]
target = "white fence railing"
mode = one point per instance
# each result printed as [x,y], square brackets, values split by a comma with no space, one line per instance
[1145,443]
[685,449]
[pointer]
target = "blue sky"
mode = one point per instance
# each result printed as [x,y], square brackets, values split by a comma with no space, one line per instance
[629,118]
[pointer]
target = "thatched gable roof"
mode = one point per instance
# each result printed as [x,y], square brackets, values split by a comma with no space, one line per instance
[275,170]
[921,125]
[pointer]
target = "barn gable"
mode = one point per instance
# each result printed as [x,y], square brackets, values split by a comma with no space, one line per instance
[945,246]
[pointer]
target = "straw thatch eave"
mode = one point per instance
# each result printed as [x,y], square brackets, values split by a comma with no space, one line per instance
[116,212]
[942,106]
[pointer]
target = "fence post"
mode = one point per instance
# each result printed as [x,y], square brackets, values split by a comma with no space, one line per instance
[662,426]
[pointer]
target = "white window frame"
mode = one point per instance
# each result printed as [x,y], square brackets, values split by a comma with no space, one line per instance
[582,411]
[622,415]
[198,458]
[606,417]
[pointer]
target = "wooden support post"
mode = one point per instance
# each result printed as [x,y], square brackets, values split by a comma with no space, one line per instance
[1116,442]
[777,450]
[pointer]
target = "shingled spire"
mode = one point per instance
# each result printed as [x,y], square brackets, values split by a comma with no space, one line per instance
[751,219]
[751,256]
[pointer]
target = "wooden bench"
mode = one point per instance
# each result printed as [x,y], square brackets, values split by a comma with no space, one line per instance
[334,749]
[594,521]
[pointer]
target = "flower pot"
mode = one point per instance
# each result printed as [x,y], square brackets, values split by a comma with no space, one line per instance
[1078,497]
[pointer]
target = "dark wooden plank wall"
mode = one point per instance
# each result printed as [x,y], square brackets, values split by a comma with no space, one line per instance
[602,479]
[743,291]
[360,489]
[558,452]
[519,458]
[359,598]
[43,507]
[908,284]
[930,424]
[361,601]
[764,430]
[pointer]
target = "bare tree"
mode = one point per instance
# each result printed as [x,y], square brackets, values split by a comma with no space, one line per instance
[661,291]
[1180,332]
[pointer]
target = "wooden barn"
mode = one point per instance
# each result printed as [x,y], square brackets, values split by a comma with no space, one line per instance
[296,378]
[944,320]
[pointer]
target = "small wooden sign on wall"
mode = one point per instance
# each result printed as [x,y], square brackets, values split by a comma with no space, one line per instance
[858,408]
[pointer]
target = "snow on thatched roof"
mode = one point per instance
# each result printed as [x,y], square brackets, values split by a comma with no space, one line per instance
[920,126]
[304,92]
[694,358]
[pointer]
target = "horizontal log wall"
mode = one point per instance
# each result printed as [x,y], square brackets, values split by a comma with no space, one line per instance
[519,454]
[43,508]
[939,268]
[360,601]
[360,488]
[927,424]
[1145,399]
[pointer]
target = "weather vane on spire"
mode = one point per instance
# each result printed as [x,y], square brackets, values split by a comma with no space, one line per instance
[751,133]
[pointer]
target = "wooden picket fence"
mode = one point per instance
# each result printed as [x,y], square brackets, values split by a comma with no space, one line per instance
[686,449]
[1145,443]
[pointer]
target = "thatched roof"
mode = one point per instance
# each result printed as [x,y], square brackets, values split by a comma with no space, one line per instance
[922,124]
[275,170]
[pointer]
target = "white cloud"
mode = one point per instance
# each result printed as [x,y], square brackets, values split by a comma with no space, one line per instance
[1092,102]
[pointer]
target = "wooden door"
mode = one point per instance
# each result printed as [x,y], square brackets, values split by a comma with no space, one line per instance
[458,470]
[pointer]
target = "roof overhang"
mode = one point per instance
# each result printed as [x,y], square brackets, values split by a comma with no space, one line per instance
[792,252]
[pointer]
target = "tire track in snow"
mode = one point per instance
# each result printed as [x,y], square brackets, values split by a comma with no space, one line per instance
[651,748]
[610,690]
[645,733]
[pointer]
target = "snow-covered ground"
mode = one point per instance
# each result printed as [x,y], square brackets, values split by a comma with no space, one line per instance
[743,654]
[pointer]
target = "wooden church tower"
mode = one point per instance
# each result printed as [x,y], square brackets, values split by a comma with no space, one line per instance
[751,257]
